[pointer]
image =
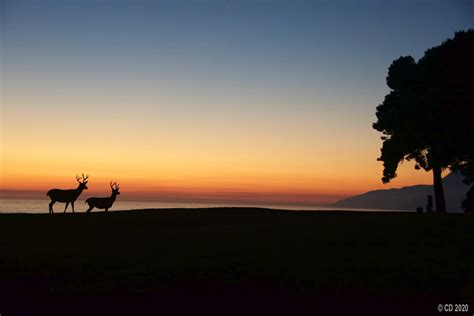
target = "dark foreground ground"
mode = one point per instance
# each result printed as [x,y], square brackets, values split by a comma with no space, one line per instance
[235,261]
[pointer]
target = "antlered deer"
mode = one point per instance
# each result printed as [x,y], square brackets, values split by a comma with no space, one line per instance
[67,196]
[104,202]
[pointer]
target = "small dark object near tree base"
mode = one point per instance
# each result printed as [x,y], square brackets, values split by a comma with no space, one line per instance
[429,206]
[468,203]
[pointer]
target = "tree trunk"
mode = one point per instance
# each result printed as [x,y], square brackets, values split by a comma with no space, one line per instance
[438,190]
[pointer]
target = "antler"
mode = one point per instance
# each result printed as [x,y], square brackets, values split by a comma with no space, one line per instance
[114,185]
[84,178]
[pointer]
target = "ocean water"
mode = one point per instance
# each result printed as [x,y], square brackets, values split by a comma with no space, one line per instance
[21,205]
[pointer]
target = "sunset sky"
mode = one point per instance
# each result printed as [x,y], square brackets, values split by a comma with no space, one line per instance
[209,100]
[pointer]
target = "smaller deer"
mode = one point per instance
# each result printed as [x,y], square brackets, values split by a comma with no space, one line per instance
[104,202]
[67,196]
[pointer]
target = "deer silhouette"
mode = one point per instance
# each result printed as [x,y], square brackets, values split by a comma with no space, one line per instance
[67,196]
[104,202]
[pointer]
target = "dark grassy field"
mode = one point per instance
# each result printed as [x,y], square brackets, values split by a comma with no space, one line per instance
[235,260]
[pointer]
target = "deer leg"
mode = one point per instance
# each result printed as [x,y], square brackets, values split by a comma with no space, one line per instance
[72,204]
[106,209]
[90,208]
[51,207]
[67,203]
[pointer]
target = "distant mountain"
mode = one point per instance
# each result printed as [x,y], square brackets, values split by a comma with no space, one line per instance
[409,198]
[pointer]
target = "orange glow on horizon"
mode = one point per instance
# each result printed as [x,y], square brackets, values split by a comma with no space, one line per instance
[216,185]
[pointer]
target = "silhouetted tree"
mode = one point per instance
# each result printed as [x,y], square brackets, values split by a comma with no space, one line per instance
[466,166]
[428,114]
